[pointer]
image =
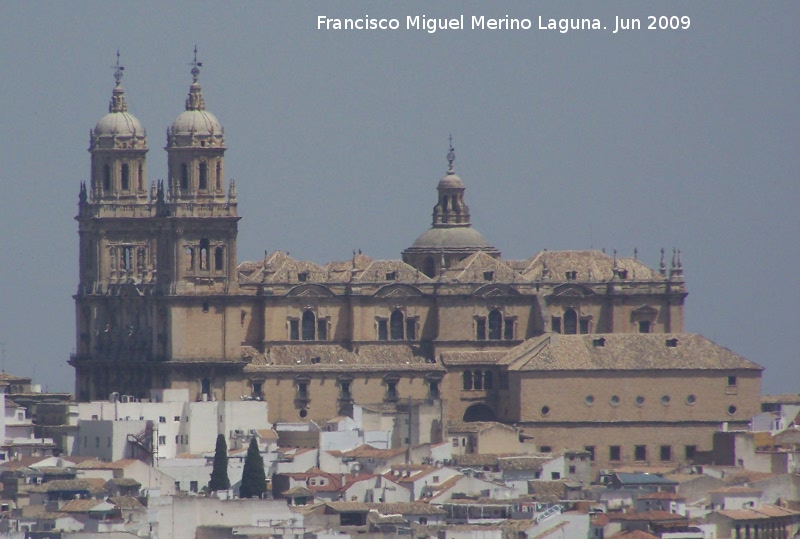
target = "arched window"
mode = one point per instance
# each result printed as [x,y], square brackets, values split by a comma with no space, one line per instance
[106,178]
[309,326]
[204,254]
[184,176]
[141,177]
[125,179]
[488,382]
[219,176]
[570,322]
[203,176]
[477,379]
[396,326]
[429,267]
[467,376]
[218,259]
[205,388]
[495,325]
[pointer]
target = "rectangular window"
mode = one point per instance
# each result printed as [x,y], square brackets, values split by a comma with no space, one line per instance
[193,486]
[176,418]
[383,330]
[411,329]
[590,449]
[555,475]
[584,327]
[545,449]
[572,469]
[666,453]
[731,381]
[302,390]
[302,277]
[615,453]
[480,329]
[391,391]
[555,324]
[97,441]
[455,442]
[162,440]
[690,451]
[644,326]
[294,330]
[640,453]
[162,419]
[508,329]
[177,439]
[322,330]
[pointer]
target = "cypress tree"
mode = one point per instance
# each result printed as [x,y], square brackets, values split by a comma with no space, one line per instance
[254,478]
[219,474]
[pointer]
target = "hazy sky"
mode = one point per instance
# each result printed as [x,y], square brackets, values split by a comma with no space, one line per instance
[681,138]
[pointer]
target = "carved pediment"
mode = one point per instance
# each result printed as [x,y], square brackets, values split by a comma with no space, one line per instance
[496,290]
[398,291]
[572,290]
[310,291]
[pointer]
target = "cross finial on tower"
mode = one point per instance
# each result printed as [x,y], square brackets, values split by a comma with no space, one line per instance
[451,156]
[195,66]
[118,69]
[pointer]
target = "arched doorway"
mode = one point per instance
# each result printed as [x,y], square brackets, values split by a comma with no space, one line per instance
[479,412]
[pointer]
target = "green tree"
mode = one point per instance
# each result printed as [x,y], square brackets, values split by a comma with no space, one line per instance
[254,478]
[219,474]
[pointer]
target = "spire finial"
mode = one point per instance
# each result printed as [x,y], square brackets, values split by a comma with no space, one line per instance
[451,156]
[118,69]
[195,100]
[117,103]
[195,66]
[662,268]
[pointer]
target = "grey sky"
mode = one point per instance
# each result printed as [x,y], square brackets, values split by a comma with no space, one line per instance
[336,139]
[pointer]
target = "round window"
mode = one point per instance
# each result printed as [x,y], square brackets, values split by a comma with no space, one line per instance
[545,410]
[614,401]
[731,410]
[589,400]
[303,413]
[639,400]
[691,399]
[665,400]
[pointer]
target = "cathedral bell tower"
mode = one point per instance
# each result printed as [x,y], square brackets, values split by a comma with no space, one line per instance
[201,239]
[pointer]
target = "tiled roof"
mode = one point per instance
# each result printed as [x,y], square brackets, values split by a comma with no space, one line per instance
[623,351]
[591,266]
[400,508]
[70,485]
[736,490]
[334,357]
[367,451]
[79,506]
[758,513]
[464,357]
[522,463]
[127,502]
[475,426]
[785,398]
[547,491]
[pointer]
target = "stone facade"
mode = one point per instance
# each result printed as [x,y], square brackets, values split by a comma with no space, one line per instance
[163,302]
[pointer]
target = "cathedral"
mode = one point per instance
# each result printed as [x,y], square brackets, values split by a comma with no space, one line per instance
[580,349]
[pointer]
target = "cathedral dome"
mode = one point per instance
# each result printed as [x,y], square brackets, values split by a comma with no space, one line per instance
[118,124]
[197,122]
[450,181]
[119,128]
[452,237]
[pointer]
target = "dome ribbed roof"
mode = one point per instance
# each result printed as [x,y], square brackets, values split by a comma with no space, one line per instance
[459,237]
